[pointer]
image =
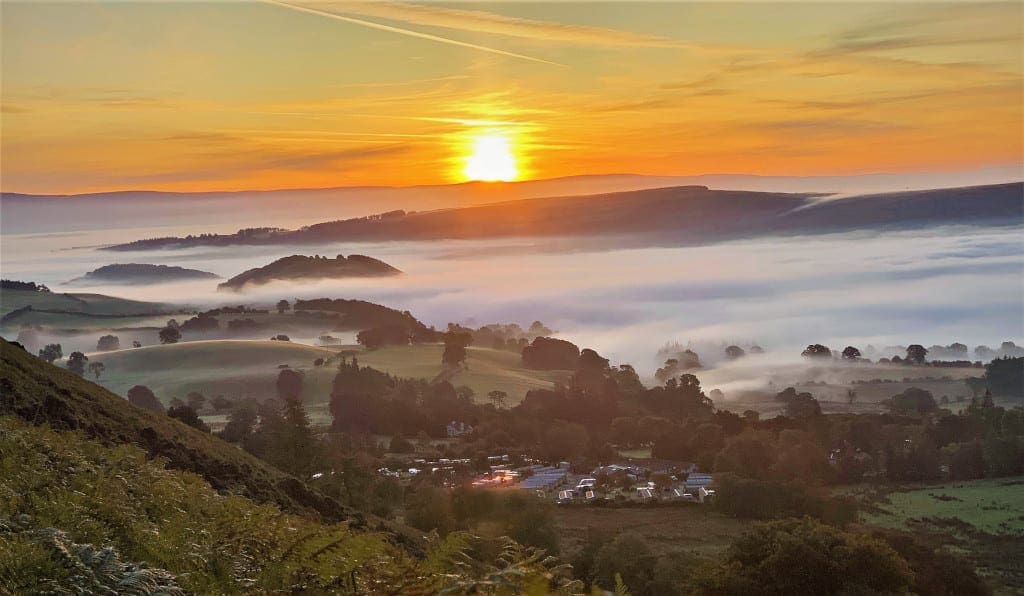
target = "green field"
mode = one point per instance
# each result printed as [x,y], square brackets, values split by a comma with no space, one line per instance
[993,506]
[829,384]
[240,368]
[982,520]
[95,304]
[692,529]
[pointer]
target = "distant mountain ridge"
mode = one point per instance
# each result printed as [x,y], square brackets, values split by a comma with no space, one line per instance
[182,210]
[310,268]
[673,215]
[140,273]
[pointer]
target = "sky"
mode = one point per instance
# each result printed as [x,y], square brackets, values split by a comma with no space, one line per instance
[191,96]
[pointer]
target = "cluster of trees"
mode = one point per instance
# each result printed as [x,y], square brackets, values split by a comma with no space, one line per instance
[170,333]
[31,286]
[917,354]
[359,314]
[201,323]
[107,343]
[504,336]
[682,362]
[365,400]
[765,469]
[548,353]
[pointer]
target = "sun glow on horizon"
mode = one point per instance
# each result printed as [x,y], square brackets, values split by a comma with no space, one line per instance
[490,159]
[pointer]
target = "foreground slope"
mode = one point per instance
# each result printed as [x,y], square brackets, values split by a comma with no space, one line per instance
[45,394]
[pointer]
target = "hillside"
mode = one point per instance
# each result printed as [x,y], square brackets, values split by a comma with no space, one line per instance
[97,305]
[41,393]
[675,215]
[248,368]
[299,267]
[140,273]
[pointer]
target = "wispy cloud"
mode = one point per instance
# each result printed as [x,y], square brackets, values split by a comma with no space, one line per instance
[478,21]
[401,31]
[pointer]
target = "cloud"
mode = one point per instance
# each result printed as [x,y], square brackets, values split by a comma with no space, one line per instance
[408,32]
[478,21]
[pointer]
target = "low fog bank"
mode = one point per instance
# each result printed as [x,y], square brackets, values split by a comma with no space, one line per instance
[963,284]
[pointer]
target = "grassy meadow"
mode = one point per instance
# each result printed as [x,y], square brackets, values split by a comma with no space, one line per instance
[248,368]
[982,520]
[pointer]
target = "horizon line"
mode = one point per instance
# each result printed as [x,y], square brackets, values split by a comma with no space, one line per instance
[1018,176]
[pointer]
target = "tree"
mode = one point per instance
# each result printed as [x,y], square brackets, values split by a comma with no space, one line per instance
[388,335]
[76,363]
[816,351]
[498,398]
[628,557]
[241,422]
[916,353]
[799,405]
[195,400]
[400,444]
[143,397]
[283,307]
[537,328]
[564,441]
[915,401]
[627,379]
[429,508]
[136,344]
[851,353]
[805,557]
[289,384]
[1005,376]
[749,455]
[548,353]
[96,368]
[221,403]
[455,343]
[171,334]
[51,352]
[108,343]
[188,415]
[734,352]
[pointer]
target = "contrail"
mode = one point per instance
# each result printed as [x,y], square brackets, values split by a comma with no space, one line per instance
[409,32]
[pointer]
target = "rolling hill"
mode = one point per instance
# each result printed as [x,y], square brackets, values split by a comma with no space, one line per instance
[238,368]
[97,305]
[300,267]
[139,273]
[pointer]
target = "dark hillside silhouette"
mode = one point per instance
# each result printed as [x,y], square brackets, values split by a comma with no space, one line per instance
[315,267]
[676,215]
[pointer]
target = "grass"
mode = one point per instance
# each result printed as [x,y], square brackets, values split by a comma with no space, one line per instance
[46,394]
[96,304]
[693,529]
[232,368]
[241,368]
[830,383]
[993,506]
[982,520]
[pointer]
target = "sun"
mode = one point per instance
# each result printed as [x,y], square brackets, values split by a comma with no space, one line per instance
[490,159]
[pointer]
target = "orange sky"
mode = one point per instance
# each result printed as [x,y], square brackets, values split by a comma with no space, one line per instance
[243,95]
